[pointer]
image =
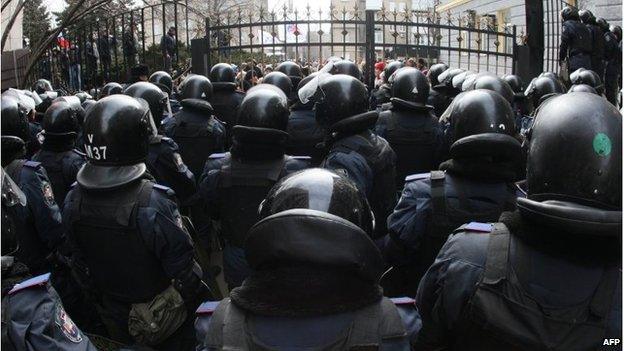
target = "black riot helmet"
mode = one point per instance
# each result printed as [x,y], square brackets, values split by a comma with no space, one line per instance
[156,98]
[481,123]
[541,88]
[586,76]
[569,13]
[589,128]
[494,83]
[195,87]
[582,88]
[346,67]
[516,84]
[60,119]
[111,88]
[411,85]
[435,71]
[14,118]
[42,85]
[83,96]
[603,24]
[458,81]
[292,70]
[587,17]
[222,73]
[162,80]
[116,136]
[280,80]
[338,97]
[390,68]
[445,79]
[264,106]
[88,103]
[321,190]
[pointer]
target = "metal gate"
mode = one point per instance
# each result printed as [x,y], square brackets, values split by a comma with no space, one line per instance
[310,36]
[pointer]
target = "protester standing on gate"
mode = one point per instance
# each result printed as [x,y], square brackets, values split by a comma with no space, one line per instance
[130,47]
[167,46]
[93,56]
[74,68]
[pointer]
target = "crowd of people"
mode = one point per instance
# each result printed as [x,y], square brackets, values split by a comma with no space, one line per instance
[444,210]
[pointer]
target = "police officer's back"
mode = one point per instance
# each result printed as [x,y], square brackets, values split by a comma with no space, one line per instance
[352,147]
[226,99]
[164,81]
[435,97]
[233,184]
[128,244]
[164,161]
[476,182]
[576,41]
[58,154]
[410,126]
[43,231]
[613,60]
[314,283]
[598,42]
[305,134]
[548,275]
[198,133]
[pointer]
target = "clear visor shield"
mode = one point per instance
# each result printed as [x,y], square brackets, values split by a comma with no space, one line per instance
[11,193]
[307,92]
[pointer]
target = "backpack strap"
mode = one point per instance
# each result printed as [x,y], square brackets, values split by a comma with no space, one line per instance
[497,254]
[438,198]
[235,173]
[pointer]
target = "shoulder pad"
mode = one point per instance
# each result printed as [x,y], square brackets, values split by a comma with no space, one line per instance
[418,176]
[35,281]
[217,156]
[207,307]
[401,301]
[32,164]
[303,158]
[478,227]
[164,189]
[78,152]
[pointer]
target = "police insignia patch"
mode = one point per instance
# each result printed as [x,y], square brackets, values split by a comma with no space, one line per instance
[66,325]
[48,195]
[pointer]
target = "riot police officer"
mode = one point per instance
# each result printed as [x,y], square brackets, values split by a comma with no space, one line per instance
[294,72]
[346,67]
[521,105]
[42,85]
[476,183]
[582,88]
[43,233]
[164,81]
[110,88]
[589,77]
[233,184]
[305,134]
[352,148]
[226,99]
[576,41]
[164,161]
[445,92]
[541,89]
[547,276]
[315,277]
[436,98]
[281,81]
[409,126]
[491,82]
[383,94]
[128,244]
[598,42]
[613,60]
[198,133]
[58,154]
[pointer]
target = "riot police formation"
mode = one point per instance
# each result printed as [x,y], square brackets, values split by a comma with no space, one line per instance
[164,161]
[456,210]
[233,184]
[598,42]
[576,44]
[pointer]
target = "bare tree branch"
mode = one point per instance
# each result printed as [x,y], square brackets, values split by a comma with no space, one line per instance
[5,4]
[9,25]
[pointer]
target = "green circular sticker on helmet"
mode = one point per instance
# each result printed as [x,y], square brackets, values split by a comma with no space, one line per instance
[602,144]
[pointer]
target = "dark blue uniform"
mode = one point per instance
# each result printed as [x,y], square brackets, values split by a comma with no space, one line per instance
[225,101]
[235,202]
[43,229]
[368,160]
[36,320]
[298,333]
[576,45]
[62,168]
[33,145]
[380,96]
[135,267]
[419,225]
[304,133]
[165,164]
[546,278]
